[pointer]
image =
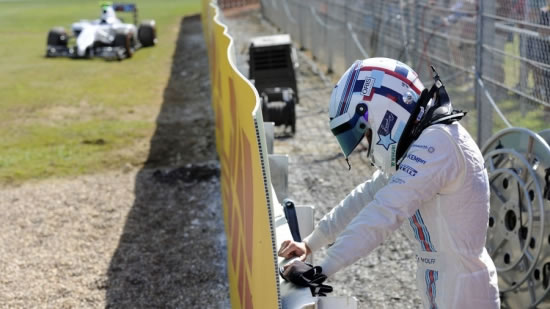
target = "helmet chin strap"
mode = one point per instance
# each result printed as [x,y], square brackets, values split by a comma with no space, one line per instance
[441,112]
[349,165]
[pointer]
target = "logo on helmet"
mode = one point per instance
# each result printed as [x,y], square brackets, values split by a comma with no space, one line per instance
[384,131]
[367,86]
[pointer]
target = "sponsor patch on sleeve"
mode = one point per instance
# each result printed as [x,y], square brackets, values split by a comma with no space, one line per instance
[430,149]
[397,180]
[408,169]
[416,159]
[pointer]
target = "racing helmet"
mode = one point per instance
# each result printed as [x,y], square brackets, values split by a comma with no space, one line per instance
[376,98]
[108,14]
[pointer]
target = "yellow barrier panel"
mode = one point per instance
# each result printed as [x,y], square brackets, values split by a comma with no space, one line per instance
[244,174]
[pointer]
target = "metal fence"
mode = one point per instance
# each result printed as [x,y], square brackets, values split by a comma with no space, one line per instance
[495,64]
[227,4]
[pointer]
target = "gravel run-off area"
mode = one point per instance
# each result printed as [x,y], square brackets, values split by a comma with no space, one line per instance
[149,236]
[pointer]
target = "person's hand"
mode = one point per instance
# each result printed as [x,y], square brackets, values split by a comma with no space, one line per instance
[290,249]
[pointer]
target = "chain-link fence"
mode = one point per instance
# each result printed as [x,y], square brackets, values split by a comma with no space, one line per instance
[496,64]
[227,4]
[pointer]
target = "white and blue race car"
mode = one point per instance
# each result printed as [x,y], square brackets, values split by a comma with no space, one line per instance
[106,37]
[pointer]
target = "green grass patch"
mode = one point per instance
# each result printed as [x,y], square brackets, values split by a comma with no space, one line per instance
[80,147]
[96,95]
[531,116]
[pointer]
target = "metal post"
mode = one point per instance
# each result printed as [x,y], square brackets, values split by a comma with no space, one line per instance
[404,24]
[484,111]
[262,8]
[301,25]
[523,67]
[328,46]
[312,34]
[346,36]
[416,9]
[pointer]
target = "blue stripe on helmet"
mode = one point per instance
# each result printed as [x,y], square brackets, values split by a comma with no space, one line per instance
[348,90]
[385,91]
[402,70]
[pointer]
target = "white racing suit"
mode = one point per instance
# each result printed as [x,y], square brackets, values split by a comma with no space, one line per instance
[441,192]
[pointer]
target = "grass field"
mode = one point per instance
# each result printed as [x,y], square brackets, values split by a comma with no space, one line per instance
[61,117]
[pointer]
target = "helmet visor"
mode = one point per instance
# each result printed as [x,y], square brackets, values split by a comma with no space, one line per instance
[350,133]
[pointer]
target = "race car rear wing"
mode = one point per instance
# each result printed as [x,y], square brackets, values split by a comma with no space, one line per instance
[124,7]
[127,7]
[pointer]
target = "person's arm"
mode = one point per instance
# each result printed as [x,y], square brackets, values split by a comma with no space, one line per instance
[334,222]
[432,162]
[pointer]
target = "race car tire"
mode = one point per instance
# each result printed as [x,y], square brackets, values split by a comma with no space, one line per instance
[125,41]
[88,53]
[147,33]
[57,37]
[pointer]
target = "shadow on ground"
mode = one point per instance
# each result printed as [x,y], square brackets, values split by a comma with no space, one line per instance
[171,252]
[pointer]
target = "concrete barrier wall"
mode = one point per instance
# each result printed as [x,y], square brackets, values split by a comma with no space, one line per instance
[245,178]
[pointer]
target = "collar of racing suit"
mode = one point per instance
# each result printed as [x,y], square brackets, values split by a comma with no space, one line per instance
[425,115]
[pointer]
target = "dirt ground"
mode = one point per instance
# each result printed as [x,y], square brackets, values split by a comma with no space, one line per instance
[319,176]
[148,237]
